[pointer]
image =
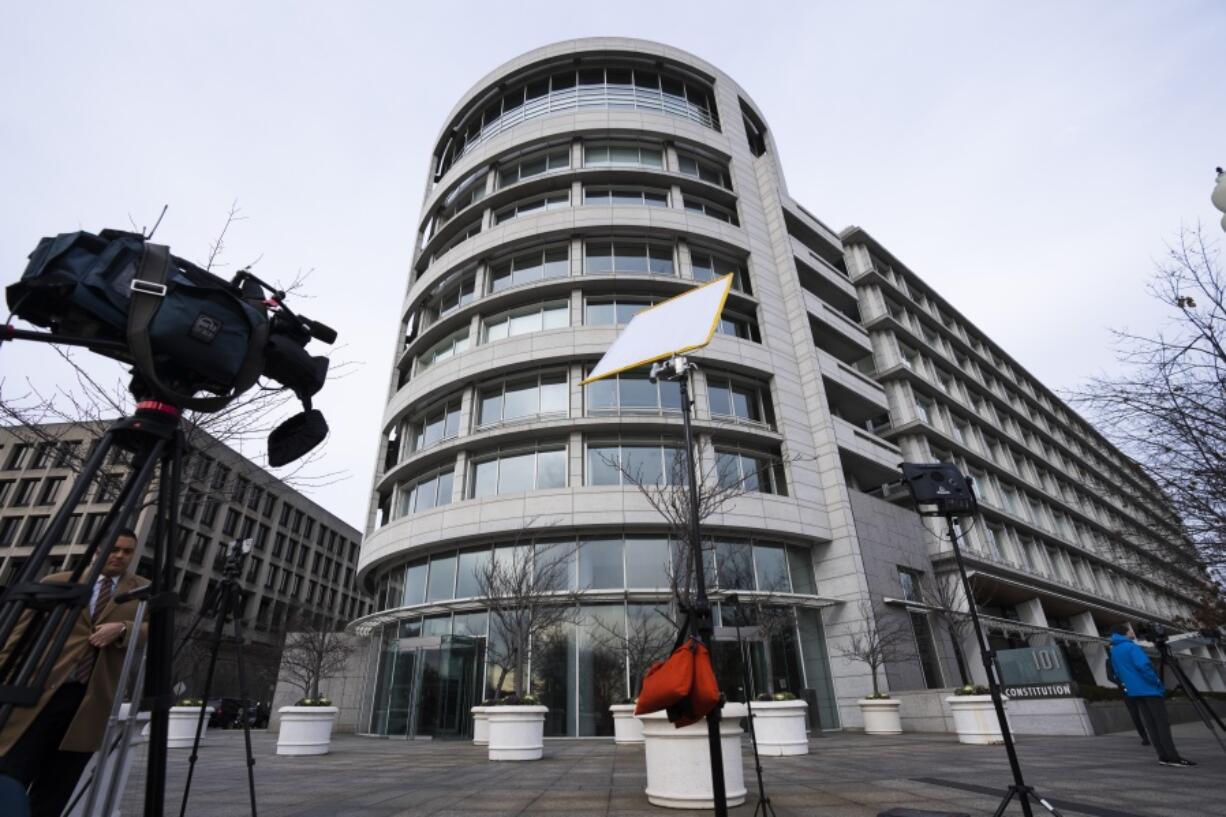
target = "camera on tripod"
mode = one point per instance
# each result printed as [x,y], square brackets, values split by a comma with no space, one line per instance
[1152,631]
[183,329]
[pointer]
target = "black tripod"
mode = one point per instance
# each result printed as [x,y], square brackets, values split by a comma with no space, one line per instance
[1025,794]
[227,601]
[1206,713]
[36,618]
[764,803]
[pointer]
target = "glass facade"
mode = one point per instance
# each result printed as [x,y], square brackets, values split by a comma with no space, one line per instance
[429,667]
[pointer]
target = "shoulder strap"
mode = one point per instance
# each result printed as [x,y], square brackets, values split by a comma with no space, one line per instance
[148,290]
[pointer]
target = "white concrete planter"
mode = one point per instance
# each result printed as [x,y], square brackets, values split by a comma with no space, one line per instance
[975,718]
[181,731]
[516,732]
[679,763]
[780,727]
[881,716]
[306,730]
[481,726]
[626,727]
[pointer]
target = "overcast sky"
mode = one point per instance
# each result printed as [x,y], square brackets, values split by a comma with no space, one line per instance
[1029,160]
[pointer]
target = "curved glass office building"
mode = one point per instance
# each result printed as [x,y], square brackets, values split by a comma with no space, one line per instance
[569,189]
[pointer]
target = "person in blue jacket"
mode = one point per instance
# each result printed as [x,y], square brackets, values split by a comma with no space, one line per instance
[1142,684]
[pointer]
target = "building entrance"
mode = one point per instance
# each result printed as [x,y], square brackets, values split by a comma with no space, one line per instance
[426,687]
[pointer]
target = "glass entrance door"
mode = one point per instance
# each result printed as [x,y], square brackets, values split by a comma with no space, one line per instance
[427,687]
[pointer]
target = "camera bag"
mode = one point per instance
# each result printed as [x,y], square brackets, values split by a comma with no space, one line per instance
[185,329]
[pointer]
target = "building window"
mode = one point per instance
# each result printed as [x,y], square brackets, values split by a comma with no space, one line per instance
[736,400]
[708,170]
[632,393]
[709,266]
[8,530]
[42,455]
[912,583]
[462,235]
[527,319]
[35,525]
[708,208]
[435,425]
[549,201]
[632,463]
[515,471]
[614,196]
[50,490]
[548,262]
[444,349]
[737,326]
[634,257]
[429,492]
[450,294]
[523,398]
[25,492]
[613,311]
[536,164]
[603,154]
[749,471]
[17,457]
[923,410]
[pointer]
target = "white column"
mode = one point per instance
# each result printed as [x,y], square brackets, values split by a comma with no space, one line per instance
[1096,654]
[1031,612]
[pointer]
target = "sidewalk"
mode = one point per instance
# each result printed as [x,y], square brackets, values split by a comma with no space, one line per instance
[850,775]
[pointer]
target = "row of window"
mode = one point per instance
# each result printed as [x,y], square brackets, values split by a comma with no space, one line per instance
[547,394]
[37,456]
[541,317]
[1009,385]
[650,156]
[1017,499]
[611,197]
[608,462]
[600,256]
[604,563]
[660,91]
[1010,546]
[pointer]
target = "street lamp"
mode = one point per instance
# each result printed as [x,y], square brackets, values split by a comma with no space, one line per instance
[1219,194]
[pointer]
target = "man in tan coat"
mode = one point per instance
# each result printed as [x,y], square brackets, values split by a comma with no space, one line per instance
[46,747]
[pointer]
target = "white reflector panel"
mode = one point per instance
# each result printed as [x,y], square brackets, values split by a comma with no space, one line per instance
[671,327]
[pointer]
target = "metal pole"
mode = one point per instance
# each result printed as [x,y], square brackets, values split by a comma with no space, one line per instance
[705,624]
[1019,785]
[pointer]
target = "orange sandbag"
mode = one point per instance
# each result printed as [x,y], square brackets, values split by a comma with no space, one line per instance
[667,682]
[703,696]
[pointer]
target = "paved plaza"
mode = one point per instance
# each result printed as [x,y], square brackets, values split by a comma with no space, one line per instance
[846,775]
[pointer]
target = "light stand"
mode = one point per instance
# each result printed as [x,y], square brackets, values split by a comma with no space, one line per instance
[764,803]
[945,492]
[228,601]
[678,368]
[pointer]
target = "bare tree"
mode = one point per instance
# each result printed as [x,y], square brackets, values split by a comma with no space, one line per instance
[876,640]
[1168,411]
[668,492]
[314,654]
[945,598]
[529,594]
[647,637]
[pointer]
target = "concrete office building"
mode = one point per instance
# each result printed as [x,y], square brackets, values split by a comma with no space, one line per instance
[303,559]
[569,189]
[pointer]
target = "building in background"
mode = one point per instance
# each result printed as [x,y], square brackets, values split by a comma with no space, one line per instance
[573,187]
[301,568]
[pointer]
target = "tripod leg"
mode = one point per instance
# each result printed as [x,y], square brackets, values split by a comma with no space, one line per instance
[237,612]
[1004,804]
[162,625]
